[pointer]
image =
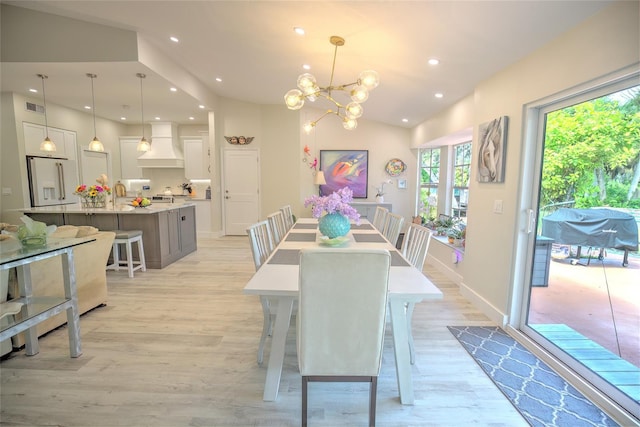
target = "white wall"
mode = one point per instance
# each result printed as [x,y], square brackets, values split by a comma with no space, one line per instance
[607,42]
[384,143]
[285,178]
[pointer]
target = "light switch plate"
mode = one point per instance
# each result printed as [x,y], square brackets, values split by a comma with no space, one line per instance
[497,206]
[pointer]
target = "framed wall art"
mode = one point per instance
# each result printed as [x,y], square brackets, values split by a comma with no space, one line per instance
[492,150]
[345,168]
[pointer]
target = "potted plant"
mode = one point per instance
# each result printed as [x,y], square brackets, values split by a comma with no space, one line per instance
[455,236]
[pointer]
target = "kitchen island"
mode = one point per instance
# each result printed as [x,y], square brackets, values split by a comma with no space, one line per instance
[168,229]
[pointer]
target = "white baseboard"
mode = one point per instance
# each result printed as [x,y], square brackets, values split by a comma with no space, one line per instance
[445,269]
[209,234]
[484,306]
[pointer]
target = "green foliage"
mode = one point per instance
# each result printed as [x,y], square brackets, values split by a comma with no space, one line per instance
[591,151]
[616,197]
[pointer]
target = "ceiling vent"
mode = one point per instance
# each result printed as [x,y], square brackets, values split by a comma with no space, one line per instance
[35,107]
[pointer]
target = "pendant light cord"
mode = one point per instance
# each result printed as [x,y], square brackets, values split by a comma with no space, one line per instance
[44,101]
[142,76]
[93,105]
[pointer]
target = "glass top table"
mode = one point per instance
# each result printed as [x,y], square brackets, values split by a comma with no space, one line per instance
[26,311]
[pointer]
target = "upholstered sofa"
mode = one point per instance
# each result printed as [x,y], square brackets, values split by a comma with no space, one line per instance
[90,260]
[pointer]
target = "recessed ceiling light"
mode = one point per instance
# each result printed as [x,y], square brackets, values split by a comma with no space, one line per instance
[405,120]
[157,118]
[33,90]
[299,31]
[87,107]
[306,66]
[218,79]
[123,118]
[174,39]
[173,89]
[192,118]
[434,61]
[201,107]
[439,95]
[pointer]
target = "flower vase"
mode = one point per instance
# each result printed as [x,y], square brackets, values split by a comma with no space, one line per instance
[380,199]
[334,225]
[94,202]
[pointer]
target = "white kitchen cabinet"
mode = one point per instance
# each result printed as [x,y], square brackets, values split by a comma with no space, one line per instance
[203,215]
[129,158]
[65,141]
[196,157]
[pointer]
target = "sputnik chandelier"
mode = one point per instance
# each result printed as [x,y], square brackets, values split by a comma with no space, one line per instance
[358,92]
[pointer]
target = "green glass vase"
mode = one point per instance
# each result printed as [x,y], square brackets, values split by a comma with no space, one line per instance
[334,225]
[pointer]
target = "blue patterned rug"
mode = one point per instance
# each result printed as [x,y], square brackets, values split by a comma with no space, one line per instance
[543,397]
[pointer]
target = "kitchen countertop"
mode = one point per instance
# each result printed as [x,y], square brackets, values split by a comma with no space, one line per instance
[119,209]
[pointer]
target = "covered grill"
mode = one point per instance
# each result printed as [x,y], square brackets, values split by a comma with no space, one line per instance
[595,228]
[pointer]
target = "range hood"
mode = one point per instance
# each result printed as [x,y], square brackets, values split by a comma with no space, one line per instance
[165,151]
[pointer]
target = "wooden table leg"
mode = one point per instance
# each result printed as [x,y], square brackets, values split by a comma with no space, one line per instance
[401,351]
[278,341]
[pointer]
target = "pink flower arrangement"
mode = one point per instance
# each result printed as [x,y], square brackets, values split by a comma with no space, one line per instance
[93,191]
[336,202]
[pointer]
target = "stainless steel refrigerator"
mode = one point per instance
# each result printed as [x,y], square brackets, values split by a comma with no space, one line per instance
[52,181]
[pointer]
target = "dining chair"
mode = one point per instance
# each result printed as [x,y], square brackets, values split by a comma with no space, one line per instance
[414,248]
[288,217]
[262,246]
[392,227]
[380,217]
[278,229]
[341,317]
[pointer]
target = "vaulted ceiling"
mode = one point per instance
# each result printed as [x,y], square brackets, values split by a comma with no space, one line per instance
[252,48]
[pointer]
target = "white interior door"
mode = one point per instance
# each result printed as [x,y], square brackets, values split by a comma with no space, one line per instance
[241,190]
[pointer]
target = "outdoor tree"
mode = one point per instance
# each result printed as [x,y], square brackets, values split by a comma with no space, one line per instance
[592,154]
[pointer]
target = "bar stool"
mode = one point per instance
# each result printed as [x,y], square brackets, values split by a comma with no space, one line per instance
[127,237]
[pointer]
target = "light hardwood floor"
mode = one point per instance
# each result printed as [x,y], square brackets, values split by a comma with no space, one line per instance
[177,347]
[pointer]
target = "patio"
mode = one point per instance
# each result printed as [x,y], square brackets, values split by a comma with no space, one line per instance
[578,296]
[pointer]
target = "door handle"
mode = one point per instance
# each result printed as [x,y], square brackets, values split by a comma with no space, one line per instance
[531,221]
[63,194]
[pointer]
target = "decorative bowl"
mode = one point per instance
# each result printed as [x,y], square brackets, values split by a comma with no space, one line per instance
[336,241]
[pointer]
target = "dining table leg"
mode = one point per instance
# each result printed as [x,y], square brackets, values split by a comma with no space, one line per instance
[278,342]
[401,350]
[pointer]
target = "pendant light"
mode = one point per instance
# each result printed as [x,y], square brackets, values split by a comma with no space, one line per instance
[358,91]
[47,144]
[143,145]
[95,144]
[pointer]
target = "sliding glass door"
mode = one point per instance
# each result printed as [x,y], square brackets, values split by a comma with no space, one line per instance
[583,299]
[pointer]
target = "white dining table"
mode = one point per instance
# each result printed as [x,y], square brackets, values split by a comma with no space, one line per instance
[277,279]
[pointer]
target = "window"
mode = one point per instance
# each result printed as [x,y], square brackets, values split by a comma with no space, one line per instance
[429,180]
[461,174]
[455,190]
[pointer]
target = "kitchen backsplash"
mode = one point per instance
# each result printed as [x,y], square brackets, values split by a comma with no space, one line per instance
[159,179]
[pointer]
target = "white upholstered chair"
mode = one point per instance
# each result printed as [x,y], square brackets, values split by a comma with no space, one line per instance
[288,217]
[414,248]
[261,247]
[341,317]
[278,229]
[380,218]
[392,227]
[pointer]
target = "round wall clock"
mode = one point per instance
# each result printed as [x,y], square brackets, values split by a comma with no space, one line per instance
[395,167]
